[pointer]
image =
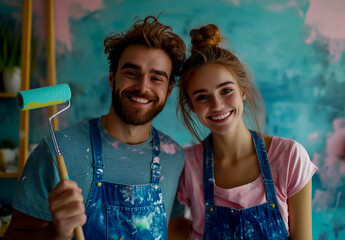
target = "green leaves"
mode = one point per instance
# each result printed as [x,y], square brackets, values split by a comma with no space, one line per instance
[10,44]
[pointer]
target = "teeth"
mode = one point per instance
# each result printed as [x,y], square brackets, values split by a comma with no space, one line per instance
[220,117]
[140,100]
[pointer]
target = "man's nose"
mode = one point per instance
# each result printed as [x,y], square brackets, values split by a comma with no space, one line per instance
[143,84]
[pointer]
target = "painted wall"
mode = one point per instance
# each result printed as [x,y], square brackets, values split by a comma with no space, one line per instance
[295,49]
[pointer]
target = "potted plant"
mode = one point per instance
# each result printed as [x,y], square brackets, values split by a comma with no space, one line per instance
[10,54]
[8,154]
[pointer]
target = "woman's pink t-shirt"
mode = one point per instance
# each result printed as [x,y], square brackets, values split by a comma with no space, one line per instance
[291,170]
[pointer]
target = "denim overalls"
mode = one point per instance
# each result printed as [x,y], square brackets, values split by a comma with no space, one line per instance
[121,212]
[258,222]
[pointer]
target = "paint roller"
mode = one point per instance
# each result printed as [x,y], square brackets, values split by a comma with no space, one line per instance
[43,97]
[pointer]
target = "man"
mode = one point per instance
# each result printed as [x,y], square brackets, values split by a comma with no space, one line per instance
[124,171]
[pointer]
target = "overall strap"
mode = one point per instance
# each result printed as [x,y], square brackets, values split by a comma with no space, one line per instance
[265,167]
[208,178]
[155,166]
[96,144]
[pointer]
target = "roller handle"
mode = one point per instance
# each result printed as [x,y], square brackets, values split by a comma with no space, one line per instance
[62,167]
[78,231]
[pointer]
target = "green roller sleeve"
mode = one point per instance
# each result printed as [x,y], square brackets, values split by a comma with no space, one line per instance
[43,97]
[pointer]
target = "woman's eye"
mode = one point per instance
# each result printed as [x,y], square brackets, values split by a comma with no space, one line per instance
[201,98]
[225,91]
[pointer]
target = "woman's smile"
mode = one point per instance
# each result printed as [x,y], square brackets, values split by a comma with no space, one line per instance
[221,117]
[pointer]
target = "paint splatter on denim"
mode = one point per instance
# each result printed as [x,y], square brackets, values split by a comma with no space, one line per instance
[256,223]
[116,211]
[138,214]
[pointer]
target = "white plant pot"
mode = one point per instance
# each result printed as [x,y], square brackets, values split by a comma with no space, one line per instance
[12,79]
[9,155]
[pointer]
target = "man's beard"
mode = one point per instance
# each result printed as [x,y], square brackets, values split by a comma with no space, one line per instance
[135,115]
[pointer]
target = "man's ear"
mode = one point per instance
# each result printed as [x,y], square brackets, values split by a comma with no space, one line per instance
[170,88]
[111,78]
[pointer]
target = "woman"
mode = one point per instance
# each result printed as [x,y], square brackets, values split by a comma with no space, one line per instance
[238,183]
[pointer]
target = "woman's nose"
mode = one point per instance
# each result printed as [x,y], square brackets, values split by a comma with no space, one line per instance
[216,103]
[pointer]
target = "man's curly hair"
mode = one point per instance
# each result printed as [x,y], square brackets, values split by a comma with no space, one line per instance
[151,33]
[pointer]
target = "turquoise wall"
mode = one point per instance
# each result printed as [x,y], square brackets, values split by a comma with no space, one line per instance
[294,48]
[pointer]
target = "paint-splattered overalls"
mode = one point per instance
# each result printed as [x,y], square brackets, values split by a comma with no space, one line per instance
[259,222]
[116,211]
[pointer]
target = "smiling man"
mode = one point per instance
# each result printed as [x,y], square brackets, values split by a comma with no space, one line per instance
[122,183]
[142,85]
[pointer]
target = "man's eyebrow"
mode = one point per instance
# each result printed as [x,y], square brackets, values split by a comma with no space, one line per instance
[130,65]
[218,86]
[161,73]
[137,67]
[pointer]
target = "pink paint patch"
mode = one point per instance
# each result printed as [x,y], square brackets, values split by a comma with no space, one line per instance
[330,173]
[156,160]
[313,137]
[322,199]
[71,9]
[115,144]
[280,7]
[317,159]
[162,178]
[331,167]
[336,141]
[168,148]
[342,167]
[63,10]
[339,124]
[325,19]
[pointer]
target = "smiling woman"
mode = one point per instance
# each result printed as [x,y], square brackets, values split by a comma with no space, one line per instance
[227,180]
[217,101]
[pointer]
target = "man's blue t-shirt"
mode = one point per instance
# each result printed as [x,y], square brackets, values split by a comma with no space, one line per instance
[123,164]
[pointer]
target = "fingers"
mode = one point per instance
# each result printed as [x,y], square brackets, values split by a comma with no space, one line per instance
[67,195]
[66,207]
[65,227]
[62,186]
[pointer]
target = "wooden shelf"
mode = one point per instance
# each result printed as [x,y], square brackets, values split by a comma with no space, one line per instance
[8,95]
[8,175]
[3,230]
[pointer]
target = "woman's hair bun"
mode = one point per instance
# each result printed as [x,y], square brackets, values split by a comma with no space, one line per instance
[206,36]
